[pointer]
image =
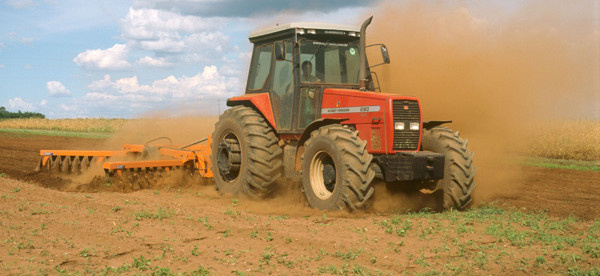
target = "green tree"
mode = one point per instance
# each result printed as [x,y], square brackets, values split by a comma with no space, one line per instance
[4,114]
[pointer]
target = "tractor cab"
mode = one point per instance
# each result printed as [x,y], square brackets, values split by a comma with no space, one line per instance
[296,62]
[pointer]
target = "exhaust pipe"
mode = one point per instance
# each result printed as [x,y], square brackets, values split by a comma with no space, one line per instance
[362,75]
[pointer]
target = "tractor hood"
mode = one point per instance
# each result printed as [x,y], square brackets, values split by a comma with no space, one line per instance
[395,119]
[348,101]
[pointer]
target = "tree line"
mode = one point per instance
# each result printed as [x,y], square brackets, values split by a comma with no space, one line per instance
[5,114]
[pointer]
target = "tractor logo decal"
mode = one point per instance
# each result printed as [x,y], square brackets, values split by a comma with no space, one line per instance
[338,104]
[354,109]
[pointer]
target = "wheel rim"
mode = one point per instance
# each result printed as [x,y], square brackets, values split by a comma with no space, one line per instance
[322,175]
[229,157]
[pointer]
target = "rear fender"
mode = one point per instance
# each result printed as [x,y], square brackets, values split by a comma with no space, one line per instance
[260,101]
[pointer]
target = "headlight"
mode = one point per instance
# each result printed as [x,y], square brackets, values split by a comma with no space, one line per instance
[399,126]
[414,126]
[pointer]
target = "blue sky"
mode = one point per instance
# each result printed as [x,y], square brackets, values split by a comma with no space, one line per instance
[130,58]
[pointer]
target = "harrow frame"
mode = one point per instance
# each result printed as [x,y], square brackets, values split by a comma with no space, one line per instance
[135,157]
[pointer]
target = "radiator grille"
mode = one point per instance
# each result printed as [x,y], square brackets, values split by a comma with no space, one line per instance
[406,111]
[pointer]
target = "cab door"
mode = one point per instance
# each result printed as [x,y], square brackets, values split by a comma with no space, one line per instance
[282,91]
[309,108]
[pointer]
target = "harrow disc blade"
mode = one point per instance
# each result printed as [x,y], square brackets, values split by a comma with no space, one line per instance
[55,164]
[75,165]
[65,165]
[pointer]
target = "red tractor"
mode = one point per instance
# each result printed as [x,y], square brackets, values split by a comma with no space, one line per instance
[311,109]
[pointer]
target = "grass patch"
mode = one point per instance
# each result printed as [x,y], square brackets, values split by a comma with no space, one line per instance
[159,214]
[560,163]
[61,133]
[493,235]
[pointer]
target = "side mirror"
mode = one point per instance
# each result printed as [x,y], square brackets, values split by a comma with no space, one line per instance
[279,51]
[385,55]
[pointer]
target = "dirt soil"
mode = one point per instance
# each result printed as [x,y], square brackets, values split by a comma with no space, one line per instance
[46,226]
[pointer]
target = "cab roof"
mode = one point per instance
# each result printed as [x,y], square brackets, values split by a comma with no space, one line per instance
[295,26]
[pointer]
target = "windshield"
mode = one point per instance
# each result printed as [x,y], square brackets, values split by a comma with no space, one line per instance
[329,61]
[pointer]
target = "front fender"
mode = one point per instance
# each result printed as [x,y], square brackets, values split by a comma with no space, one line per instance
[315,125]
[260,101]
[306,134]
[432,124]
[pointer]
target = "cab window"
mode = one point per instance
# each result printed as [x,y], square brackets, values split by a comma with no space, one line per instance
[260,66]
[329,62]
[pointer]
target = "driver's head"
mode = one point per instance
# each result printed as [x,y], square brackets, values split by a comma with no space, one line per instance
[306,68]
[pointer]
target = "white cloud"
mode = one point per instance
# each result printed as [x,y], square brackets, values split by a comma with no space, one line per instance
[154,62]
[130,97]
[67,108]
[20,104]
[165,43]
[113,58]
[20,4]
[57,89]
[27,40]
[169,33]
[2,66]
[43,103]
[151,23]
[208,83]
[160,38]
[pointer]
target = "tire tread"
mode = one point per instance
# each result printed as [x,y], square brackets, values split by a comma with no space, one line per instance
[265,157]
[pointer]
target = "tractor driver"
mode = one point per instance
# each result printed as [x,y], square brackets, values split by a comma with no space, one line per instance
[307,72]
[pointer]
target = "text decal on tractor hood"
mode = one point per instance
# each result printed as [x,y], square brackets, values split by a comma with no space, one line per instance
[354,109]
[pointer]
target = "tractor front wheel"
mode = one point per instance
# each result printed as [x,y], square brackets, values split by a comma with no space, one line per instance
[336,171]
[246,157]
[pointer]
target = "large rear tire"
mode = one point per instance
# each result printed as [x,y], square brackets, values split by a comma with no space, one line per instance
[459,171]
[246,157]
[336,172]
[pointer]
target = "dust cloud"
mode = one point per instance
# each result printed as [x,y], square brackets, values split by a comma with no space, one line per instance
[495,69]
[178,130]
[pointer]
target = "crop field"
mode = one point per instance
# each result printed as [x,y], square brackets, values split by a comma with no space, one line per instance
[547,222]
[571,140]
[101,126]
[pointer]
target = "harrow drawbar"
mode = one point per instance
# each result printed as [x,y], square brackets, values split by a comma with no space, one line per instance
[133,158]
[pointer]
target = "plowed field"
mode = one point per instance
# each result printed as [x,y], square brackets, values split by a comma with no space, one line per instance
[181,226]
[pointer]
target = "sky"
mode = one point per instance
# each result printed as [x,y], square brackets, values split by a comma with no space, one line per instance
[133,58]
[127,59]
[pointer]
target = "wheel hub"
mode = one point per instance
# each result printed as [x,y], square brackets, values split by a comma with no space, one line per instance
[329,176]
[229,158]
[322,175]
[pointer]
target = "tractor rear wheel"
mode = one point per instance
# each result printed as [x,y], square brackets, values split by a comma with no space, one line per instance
[459,172]
[336,169]
[246,157]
